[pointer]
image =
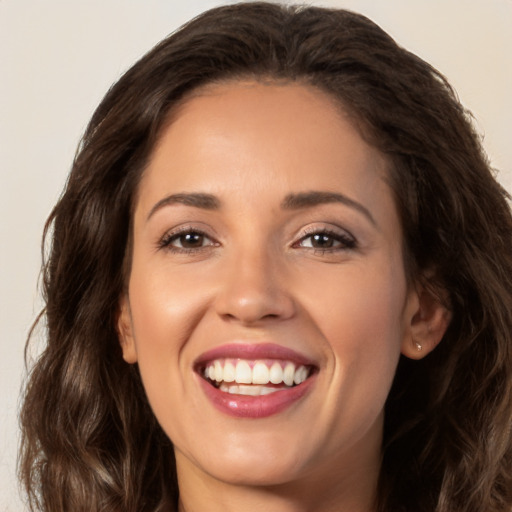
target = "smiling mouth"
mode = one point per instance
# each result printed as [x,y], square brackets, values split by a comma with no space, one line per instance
[254,377]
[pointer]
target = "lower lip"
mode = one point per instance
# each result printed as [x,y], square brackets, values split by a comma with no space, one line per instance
[244,406]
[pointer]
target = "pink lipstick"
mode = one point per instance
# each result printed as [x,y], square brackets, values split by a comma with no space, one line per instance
[254,380]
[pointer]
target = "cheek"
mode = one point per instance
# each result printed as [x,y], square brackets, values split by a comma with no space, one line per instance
[164,311]
[361,306]
[360,315]
[365,340]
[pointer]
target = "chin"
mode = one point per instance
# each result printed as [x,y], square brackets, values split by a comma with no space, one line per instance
[255,471]
[265,459]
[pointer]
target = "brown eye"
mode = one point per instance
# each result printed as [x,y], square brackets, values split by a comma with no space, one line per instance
[324,240]
[186,241]
[189,240]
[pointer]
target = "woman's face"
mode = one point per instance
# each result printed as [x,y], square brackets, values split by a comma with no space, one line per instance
[267,252]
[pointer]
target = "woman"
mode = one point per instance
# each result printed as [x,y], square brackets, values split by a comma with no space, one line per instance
[279,279]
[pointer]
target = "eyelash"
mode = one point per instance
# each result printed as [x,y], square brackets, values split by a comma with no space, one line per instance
[346,241]
[168,239]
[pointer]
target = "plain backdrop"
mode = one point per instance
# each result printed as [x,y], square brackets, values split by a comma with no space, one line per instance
[58,58]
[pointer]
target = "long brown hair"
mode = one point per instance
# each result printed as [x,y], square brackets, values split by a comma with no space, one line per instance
[89,439]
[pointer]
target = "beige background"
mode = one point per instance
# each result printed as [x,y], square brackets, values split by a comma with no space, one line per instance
[57,59]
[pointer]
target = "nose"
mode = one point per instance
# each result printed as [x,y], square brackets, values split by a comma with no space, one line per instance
[254,289]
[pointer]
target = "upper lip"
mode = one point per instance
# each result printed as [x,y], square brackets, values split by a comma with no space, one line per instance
[251,351]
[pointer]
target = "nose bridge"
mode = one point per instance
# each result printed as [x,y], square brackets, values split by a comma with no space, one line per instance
[253,287]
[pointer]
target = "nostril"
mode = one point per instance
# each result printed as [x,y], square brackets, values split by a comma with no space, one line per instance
[253,307]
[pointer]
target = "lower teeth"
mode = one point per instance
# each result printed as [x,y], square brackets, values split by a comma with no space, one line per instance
[252,390]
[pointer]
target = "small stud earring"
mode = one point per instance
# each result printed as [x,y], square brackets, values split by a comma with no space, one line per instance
[418,346]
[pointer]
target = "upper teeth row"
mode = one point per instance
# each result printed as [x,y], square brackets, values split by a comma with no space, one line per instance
[241,372]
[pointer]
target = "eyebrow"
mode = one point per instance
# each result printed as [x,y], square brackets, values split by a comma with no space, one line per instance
[290,202]
[315,198]
[197,200]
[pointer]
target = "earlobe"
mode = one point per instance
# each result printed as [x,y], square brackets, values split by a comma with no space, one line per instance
[427,325]
[125,332]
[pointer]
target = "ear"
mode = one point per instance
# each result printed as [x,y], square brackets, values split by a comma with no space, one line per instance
[427,320]
[125,331]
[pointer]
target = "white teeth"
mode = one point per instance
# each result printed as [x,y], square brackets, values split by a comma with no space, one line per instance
[229,372]
[219,372]
[267,391]
[288,374]
[300,375]
[243,373]
[261,373]
[248,390]
[276,374]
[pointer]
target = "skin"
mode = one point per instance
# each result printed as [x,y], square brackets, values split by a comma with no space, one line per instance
[256,277]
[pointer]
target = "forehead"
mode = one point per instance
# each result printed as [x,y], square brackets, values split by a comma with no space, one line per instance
[257,138]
